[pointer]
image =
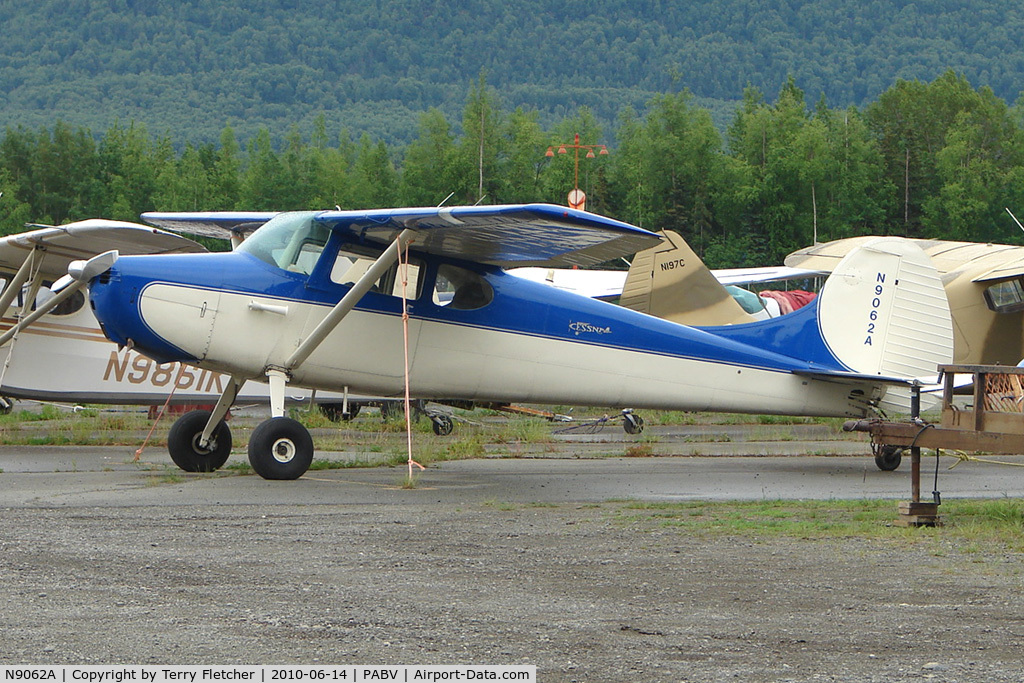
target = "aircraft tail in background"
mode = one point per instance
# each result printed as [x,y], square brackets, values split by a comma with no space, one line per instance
[670,281]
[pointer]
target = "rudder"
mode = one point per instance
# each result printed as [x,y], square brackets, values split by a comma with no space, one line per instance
[883,311]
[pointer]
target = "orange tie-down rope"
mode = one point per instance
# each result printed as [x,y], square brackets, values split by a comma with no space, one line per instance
[138,452]
[403,264]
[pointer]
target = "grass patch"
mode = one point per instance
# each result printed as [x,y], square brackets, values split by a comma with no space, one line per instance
[990,524]
[640,450]
[238,467]
[169,478]
[469,447]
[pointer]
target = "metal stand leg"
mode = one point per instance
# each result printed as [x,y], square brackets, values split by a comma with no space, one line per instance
[916,513]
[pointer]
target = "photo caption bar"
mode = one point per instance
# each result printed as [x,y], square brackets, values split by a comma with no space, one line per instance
[433,673]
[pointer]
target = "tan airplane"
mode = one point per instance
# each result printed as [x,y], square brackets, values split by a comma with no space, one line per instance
[670,281]
[984,284]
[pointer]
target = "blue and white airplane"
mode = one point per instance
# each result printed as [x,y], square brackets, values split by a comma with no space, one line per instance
[315,299]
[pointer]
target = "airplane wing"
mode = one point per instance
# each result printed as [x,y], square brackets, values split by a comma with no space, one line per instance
[601,284]
[58,246]
[990,261]
[748,276]
[505,236]
[223,225]
[595,284]
[824,257]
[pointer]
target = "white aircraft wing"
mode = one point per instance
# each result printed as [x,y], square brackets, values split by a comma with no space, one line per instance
[599,284]
[747,276]
[596,284]
[1013,267]
[58,246]
[223,225]
[504,236]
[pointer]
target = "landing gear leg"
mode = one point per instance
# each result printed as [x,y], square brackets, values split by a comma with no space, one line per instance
[280,448]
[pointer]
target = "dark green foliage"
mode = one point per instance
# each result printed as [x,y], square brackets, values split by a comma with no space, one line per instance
[937,159]
[374,67]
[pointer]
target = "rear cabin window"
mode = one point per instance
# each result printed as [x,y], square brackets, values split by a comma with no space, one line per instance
[352,263]
[461,289]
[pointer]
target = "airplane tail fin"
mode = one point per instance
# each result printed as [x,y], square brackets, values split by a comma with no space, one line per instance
[670,281]
[882,313]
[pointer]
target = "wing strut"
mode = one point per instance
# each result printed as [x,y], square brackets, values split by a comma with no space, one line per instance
[16,283]
[348,302]
[80,271]
[41,311]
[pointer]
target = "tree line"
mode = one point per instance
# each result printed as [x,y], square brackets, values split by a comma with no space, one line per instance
[940,159]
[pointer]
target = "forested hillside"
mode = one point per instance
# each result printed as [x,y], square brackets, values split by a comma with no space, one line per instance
[190,67]
[752,127]
[939,159]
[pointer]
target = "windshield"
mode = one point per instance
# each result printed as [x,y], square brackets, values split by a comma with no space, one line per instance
[292,241]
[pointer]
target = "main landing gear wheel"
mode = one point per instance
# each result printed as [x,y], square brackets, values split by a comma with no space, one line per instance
[280,448]
[183,443]
[888,458]
[442,425]
[632,424]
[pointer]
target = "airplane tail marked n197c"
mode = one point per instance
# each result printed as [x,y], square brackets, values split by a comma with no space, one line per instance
[312,299]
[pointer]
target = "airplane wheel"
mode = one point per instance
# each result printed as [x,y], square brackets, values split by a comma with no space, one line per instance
[183,443]
[632,424]
[280,448]
[888,458]
[442,425]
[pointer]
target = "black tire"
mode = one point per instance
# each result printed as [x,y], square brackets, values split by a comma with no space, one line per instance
[632,424]
[442,425]
[280,448]
[888,458]
[183,443]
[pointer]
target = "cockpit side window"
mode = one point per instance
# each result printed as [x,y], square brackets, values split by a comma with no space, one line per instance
[291,241]
[461,289]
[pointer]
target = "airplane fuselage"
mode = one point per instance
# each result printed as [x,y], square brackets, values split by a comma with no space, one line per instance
[236,314]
